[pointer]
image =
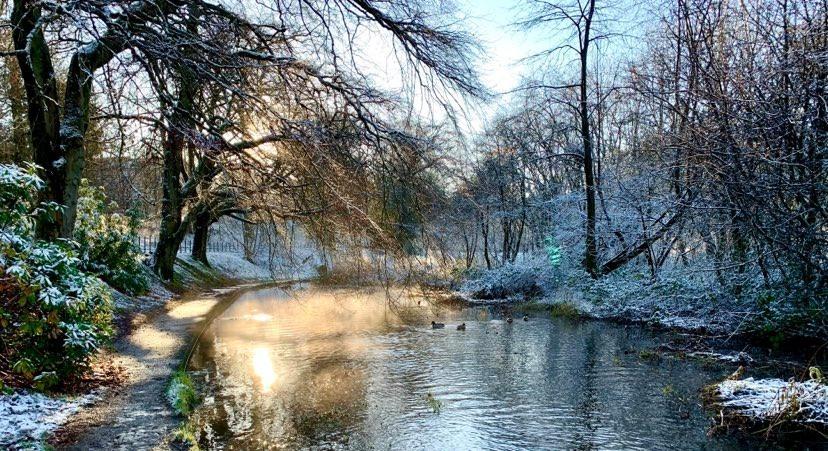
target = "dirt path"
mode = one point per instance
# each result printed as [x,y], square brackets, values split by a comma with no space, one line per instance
[136,415]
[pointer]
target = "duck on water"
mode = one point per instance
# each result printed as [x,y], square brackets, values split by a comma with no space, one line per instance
[436,325]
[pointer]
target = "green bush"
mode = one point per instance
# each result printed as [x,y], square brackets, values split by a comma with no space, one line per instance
[53,314]
[553,251]
[107,242]
[181,393]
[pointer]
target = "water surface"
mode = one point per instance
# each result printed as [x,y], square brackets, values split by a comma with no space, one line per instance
[330,369]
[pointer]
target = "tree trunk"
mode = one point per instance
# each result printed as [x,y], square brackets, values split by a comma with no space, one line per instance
[484,229]
[180,121]
[171,231]
[629,253]
[43,112]
[591,255]
[249,241]
[201,234]
[57,143]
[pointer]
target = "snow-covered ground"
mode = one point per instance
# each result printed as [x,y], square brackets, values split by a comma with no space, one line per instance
[27,418]
[234,266]
[674,301]
[157,296]
[773,400]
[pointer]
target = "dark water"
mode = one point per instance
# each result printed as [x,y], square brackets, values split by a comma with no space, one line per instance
[331,369]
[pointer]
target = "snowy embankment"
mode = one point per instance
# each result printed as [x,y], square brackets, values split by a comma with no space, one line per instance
[27,418]
[234,266]
[674,301]
[771,402]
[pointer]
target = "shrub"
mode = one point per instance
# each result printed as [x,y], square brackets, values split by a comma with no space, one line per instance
[107,242]
[53,314]
[181,393]
[508,281]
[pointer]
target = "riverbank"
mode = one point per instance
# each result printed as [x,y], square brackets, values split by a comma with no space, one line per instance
[771,405]
[151,331]
[672,302]
[709,328]
[137,414]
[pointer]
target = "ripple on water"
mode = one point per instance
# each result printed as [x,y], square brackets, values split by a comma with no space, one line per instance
[339,369]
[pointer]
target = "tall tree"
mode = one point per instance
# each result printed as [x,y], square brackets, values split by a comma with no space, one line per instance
[58,123]
[579,16]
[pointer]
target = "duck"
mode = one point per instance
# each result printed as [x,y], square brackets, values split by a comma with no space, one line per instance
[509,319]
[525,317]
[461,326]
[437,325]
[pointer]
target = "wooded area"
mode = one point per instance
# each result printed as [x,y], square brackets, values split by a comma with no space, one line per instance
[700,160]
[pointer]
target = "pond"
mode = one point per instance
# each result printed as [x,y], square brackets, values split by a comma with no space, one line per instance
[363,369]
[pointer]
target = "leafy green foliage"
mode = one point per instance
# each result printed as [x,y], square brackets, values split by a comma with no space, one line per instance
[107,242]
[181,393]
[53,314]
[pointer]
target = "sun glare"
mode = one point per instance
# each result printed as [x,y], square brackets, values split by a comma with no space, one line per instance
[263,368]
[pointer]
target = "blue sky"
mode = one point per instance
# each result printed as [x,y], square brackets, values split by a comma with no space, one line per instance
[505,46]
[492,21]
[500,66]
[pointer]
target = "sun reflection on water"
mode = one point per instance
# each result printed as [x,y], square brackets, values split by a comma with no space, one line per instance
[261,317]
[263,368]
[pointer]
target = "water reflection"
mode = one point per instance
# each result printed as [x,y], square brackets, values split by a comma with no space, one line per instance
[263,368]
[341,369]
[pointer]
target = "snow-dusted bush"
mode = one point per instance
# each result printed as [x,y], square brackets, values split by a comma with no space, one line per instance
[107,242]
[53,314]
[522,279]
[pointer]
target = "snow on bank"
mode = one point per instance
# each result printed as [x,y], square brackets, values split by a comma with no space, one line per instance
[234,266]
[26,418]
[157,296]
[510,282]
[740,357]
[673,301]
[772,400]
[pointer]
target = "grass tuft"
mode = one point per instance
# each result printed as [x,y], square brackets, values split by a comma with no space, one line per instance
[186,434]
[181,393]
[564,310]
[649,354]
[435,404]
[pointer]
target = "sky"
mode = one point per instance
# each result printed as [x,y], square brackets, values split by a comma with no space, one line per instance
[499,64]
[505,47]
[492,21]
